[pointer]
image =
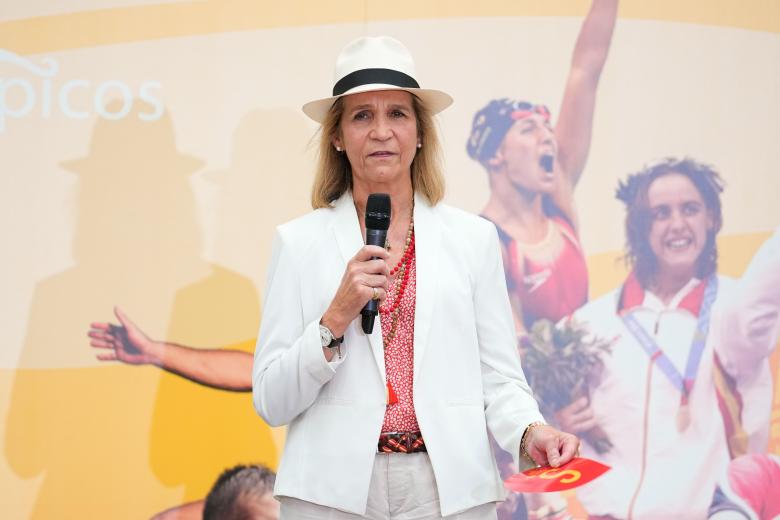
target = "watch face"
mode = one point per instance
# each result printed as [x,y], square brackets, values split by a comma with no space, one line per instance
[325,336]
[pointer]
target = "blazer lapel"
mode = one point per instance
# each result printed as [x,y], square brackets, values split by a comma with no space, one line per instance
[427,231]
[348,237]
[346,227]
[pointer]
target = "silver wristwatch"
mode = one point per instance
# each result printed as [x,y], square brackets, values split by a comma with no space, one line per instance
[328,341]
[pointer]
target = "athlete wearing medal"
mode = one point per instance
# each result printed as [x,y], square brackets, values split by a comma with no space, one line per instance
[682,382]
[658,398]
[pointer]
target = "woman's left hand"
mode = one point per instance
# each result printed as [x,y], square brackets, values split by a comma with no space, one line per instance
[546,445]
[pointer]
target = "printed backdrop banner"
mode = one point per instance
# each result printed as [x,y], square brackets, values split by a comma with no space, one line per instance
[150,148]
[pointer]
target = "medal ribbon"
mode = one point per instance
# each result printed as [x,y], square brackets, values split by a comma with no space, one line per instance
[649,345]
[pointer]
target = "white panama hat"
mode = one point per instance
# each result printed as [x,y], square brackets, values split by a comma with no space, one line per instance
[375,63]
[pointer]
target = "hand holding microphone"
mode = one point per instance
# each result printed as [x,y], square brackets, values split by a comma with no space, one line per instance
[365,281]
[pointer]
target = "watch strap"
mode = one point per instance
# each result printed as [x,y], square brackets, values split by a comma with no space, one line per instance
[335,343]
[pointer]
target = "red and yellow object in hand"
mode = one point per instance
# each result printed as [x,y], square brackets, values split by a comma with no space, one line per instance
[547,479]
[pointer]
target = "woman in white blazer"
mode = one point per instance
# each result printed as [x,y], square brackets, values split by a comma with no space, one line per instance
[391,424]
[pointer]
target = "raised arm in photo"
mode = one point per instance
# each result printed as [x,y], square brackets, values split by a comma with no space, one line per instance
[575,121]
[226,369]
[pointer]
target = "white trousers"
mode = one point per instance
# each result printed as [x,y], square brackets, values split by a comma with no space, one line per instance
[402,488]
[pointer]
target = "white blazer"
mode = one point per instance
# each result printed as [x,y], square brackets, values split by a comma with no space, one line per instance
[467,374]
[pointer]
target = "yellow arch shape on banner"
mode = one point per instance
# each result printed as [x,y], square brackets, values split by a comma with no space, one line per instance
[149,22]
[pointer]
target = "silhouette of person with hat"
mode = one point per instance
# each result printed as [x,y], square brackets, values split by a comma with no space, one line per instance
[136,241]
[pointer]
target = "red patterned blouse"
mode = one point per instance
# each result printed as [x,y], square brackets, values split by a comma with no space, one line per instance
[399,358]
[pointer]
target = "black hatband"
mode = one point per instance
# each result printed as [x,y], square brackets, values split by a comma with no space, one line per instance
[368,76]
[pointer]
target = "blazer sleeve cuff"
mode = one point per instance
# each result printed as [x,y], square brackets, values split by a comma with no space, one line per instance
[314,359]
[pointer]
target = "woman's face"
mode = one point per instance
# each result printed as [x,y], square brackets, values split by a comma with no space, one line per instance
[378,132]
[680,222]
[521,152]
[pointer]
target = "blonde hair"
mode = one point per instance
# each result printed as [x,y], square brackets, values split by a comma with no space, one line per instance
[333,176]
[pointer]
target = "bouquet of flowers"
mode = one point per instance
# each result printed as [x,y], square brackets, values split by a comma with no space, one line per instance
[562,362]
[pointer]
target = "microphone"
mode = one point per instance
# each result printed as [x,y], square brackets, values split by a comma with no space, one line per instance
[377,223]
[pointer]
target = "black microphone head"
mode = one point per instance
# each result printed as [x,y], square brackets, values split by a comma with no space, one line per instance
[378,211]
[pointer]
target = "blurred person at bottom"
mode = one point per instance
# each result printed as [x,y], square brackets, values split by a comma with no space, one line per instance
[240,493]
[391,424]
[662,389]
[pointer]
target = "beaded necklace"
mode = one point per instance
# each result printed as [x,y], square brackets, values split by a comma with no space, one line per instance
[402,269]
